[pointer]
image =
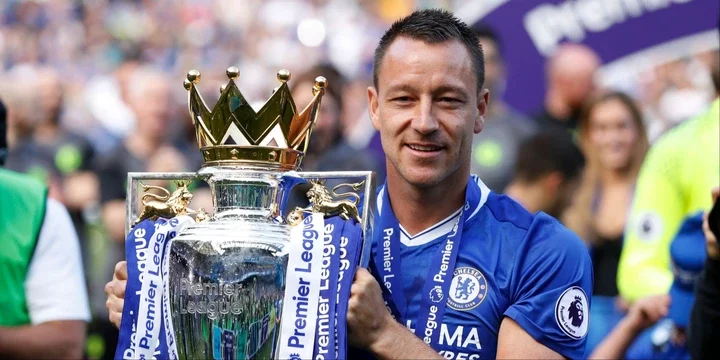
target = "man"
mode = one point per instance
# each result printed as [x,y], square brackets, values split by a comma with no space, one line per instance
[518,289]
[496,147]
[42,291]
[570,76]
[45,150]
[673,182]
[547,173]
[667,339]
[145,149]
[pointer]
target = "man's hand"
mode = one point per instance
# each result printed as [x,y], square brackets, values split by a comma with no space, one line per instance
[371,327]
[367,316]
[647,311]
[713,250]
[115,291]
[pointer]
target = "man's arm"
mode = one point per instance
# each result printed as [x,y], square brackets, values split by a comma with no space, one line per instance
[55,293]
[50,340]
[643,314]
[516,343]
[371,327]
[657,211]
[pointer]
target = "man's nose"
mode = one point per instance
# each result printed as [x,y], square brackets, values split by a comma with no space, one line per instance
[425,122]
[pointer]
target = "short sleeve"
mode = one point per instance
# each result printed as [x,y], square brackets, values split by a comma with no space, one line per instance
[55,285]
[550,288]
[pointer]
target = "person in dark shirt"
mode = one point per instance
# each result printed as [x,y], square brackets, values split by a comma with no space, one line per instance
[570,80]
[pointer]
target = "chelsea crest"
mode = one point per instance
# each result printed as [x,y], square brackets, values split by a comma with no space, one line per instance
[467,289]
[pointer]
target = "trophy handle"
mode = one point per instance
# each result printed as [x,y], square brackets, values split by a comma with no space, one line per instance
[366,182]
[178,207]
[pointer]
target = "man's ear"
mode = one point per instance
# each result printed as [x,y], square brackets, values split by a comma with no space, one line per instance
[482,104]
[372,94]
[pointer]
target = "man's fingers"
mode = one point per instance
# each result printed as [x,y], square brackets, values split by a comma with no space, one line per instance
[119,288]
[121,271]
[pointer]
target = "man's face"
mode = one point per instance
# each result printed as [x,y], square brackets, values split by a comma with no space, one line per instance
[427,108]
[152,107]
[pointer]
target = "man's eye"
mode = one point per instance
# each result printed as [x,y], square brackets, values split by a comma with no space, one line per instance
[450,100]
[401,99]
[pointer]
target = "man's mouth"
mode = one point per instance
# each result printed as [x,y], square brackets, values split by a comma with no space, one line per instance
[425,148]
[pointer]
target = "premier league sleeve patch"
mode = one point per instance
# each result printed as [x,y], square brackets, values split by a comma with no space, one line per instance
[571,312]
[467,289]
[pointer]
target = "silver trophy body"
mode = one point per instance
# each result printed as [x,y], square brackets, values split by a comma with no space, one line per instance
[227,271]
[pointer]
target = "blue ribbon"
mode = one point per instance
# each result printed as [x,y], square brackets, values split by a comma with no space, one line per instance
[350,248]
[388,262]
[135,245]
[325,329]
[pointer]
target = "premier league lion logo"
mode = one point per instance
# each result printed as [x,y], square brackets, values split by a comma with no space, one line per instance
[570,312]
[575,312]
[467,289]
[436,294]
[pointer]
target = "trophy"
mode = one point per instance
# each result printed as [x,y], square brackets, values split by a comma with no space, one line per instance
[226,273]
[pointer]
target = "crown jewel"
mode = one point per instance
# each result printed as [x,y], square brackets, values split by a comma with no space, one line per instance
[233,133]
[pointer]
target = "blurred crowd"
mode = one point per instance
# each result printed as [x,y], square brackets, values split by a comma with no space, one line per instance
[94,91]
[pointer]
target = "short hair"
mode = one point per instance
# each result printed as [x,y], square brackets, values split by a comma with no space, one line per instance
[548,152]
[432,26]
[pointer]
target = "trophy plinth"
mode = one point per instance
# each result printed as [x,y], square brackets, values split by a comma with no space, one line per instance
[227,271]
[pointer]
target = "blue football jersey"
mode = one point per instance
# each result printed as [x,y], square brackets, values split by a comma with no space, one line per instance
[510,263]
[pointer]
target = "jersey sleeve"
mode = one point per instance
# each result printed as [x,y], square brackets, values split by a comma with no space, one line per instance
[657,211]
[55,284]
[550,287]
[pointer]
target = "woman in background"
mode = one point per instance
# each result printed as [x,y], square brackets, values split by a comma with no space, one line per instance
[613,138]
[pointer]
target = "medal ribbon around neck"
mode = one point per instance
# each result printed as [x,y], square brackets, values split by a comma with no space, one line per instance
[388,264]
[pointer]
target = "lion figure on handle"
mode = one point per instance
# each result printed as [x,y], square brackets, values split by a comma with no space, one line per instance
[323,201]
[167,205]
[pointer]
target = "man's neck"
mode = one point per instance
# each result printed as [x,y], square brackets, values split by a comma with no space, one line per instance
[417,209]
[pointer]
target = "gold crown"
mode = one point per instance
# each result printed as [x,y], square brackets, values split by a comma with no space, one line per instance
[233,133]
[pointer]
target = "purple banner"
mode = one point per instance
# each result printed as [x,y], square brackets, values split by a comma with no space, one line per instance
[530,30]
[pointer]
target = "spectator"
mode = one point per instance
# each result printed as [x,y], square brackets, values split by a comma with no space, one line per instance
[145,149]
[42,291]
[642,314]
[45,147]
[328,150]
[667,339]
[570,81]
[547,173]
[705,316]
[614,141]
[672,184]
[495,148]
